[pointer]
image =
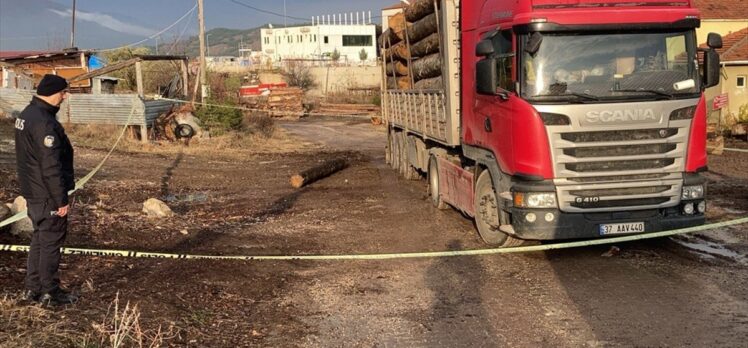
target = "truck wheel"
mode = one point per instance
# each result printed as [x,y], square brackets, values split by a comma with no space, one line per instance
[388,148]
[406,169]
[395,154]
[488,215]
[434,190]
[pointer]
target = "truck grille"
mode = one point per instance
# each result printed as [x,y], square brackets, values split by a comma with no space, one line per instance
[599,168]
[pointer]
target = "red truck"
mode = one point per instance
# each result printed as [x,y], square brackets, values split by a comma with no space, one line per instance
[561,119]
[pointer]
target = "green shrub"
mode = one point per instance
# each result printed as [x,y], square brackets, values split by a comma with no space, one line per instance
[220,119]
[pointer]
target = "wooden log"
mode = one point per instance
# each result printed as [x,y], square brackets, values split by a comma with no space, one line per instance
[397,22]
[432,83]
[418,9]
[397,51]
[422,28]
[315,173]
[425,47]
[388,38]
[402,82]
[427,67]
[398,69]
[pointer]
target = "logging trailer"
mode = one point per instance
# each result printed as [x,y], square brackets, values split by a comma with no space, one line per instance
[552,119]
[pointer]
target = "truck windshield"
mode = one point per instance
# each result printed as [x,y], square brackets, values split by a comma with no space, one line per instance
[599,67]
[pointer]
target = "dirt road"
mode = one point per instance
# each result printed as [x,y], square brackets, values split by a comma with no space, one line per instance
[688,291]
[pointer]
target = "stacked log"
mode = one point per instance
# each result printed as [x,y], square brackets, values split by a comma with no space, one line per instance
[412,48]
[418,9]
[281,102]
[331,109]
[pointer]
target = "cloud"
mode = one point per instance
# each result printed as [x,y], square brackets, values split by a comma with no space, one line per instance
[106,21]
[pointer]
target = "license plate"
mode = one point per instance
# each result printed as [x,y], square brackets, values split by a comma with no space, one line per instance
[629,227]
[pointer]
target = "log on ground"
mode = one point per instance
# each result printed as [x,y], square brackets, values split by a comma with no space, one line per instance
[396,69]
[418,9]
[432,83]
[427,67]
[423,28]
[323,170]
[425,47]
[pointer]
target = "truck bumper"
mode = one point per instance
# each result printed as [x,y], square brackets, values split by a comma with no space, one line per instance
[587,225]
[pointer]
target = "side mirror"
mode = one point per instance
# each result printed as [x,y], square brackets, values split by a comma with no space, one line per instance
[484,48]
[714,40]
[711,68]
[486,76]
[533,43]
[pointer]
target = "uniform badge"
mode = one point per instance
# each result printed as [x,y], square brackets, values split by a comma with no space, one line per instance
[19,123]
[49,141]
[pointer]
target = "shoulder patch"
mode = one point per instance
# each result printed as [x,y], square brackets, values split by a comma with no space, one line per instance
[49,141]
[20,123]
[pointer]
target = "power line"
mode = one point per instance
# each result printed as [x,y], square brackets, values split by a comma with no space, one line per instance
[268,12]
[154,35]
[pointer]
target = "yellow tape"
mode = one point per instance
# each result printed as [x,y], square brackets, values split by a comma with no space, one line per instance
[388,256]
[83,181]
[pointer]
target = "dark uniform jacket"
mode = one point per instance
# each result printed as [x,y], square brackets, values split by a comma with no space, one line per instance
[44,155]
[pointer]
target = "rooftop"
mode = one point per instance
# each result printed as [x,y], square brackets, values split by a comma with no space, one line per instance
[734,46]
[722,9]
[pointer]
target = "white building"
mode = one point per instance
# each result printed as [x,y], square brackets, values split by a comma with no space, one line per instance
[347,33]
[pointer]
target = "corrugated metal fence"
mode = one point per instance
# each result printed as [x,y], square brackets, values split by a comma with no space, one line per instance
[92,109]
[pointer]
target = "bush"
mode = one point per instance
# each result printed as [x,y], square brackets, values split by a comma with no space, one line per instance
[297,74]
[219,119]
[259,123]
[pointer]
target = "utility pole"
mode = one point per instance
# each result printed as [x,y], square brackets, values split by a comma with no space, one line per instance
[72,32]
[285,25]
[203,66]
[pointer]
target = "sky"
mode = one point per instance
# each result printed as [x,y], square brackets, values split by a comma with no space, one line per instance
[41,24]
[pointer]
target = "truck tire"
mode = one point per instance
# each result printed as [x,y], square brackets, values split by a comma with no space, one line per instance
[406,169]
[488,215]
[395,154]
[434,190]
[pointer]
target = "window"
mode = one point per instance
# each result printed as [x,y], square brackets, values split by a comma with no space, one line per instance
[315,37]
[740,82]
[326,40]
[357,40]
[502,43]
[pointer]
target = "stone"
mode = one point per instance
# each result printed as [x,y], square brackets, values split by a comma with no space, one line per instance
[24,227]
[156,208]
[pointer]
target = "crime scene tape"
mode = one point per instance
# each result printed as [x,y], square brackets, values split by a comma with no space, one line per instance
[735,150]
[270,112]
[388,256]
[84,180]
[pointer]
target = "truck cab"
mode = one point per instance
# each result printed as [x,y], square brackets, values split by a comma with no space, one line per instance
[581,118]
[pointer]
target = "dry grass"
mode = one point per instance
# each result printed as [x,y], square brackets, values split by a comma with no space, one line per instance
[23,325]
[31,326]
[261,136]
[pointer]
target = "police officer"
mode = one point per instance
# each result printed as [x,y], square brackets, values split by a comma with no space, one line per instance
[45,174]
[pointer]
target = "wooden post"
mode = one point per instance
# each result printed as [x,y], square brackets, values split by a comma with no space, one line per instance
[139,78]
[141,96]
[185,79]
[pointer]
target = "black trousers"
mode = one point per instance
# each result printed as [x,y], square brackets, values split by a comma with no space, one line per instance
[42,272]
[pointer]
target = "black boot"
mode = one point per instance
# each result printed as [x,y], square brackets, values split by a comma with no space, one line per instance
[58,297]
[31,296]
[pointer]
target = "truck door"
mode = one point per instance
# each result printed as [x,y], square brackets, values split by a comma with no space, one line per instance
[495,111]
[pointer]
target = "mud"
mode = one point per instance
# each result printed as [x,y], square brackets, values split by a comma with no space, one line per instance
[653,293]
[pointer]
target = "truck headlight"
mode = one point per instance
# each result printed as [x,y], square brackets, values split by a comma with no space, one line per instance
[693,192]
[535,199]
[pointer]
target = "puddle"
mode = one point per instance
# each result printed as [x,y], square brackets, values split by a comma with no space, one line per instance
[710,249]
[187,197]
